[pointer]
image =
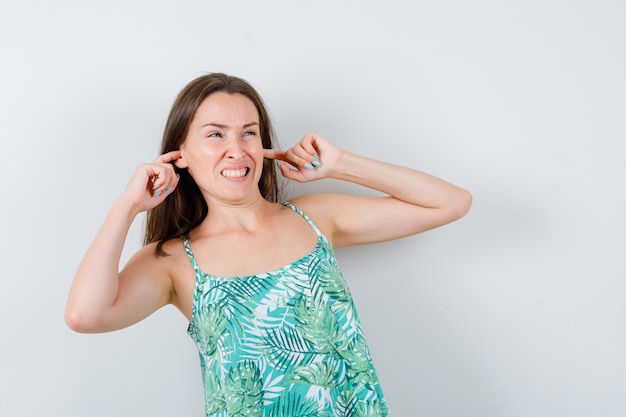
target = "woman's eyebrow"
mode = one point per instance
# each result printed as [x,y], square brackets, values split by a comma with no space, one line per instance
[223,126]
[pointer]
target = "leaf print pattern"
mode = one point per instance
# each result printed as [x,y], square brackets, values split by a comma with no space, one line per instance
[210,326]
[213,394]
[322,374]
[244,392]
[286,343]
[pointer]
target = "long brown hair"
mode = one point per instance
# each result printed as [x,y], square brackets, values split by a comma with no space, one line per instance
[186,208]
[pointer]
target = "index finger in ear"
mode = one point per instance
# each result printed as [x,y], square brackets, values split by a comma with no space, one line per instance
[273,154]
[168,157]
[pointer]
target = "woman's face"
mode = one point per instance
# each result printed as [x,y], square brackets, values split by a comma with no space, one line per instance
[223,150]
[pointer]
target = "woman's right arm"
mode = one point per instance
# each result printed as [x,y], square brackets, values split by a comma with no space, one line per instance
[101,298]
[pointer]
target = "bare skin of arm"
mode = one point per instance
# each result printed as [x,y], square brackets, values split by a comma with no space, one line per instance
[416,201]
[102,299]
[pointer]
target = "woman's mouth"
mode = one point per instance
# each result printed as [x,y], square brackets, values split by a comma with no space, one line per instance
[235,173]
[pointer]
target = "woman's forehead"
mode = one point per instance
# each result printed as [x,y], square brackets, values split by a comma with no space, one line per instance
[226,109]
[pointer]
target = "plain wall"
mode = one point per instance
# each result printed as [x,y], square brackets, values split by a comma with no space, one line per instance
[515,310]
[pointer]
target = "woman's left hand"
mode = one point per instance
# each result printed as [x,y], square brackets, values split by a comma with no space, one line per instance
[311,159]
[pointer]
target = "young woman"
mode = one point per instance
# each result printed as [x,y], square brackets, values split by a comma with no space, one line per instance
[270,312]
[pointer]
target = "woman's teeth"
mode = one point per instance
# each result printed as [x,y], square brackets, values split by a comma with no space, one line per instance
[235,173]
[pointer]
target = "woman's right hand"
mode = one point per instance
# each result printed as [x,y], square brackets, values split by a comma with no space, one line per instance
[152,182]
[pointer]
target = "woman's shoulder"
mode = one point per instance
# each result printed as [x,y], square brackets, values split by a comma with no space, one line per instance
[320,208]
[171,254]
[310,204]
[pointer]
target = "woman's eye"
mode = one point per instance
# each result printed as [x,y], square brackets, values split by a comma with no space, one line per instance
[249,133]
[215,135]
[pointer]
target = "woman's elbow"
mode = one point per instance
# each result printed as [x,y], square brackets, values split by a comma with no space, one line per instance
[464,203]
[75,321]
[458,206]
[80,321]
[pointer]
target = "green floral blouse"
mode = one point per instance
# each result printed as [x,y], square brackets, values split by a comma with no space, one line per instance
[286,343]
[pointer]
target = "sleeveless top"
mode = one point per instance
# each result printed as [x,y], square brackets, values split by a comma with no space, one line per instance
[284,343]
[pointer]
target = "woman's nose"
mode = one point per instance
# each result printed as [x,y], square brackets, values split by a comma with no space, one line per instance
[234,149]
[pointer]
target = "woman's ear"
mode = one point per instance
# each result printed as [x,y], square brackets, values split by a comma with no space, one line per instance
[181,162]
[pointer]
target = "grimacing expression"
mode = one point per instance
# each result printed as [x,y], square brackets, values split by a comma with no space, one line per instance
[223,151]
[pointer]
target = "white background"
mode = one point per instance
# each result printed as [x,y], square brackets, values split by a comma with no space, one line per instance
[516,310]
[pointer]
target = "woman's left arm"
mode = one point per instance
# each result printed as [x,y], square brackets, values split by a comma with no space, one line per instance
[415,202]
